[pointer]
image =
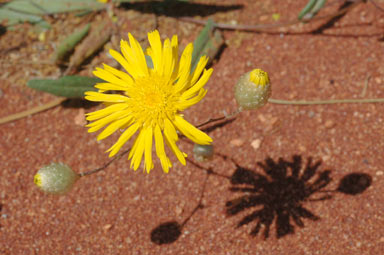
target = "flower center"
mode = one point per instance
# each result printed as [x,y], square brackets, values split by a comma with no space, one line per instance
[153,100]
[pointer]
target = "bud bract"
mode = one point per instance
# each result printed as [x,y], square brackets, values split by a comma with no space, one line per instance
[56,178]
[253,90]
[202,153]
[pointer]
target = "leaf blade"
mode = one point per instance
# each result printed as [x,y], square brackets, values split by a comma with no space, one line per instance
[67,86]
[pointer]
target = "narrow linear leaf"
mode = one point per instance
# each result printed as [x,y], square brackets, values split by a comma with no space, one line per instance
[208,43]
[213,46]
[91,44]
[66,86]
[316,8]
[307,8]
[32,11]
[11,18]
[69,43]
[46,7]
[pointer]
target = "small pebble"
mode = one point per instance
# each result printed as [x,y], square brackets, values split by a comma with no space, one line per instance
[262,118]
[379,173]
[256,144]
[178,210]
[302,148]
[236,142]
[80,118]
[329,124]
[107,227]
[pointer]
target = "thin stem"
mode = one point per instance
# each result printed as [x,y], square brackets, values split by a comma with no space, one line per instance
[209,171]
[263,27]
[104,166]
[300,102]
[226,116]
[34,110]
[331,101]
[199,204]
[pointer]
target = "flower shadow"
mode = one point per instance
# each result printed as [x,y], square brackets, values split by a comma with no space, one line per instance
[279,194]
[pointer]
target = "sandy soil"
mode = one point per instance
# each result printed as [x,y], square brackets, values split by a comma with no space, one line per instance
[311,177]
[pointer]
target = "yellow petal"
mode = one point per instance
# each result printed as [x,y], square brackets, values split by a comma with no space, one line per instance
[170,134]
[156,48]
[181,106]
[123,139]
[184,69]
[106,111]
[138,150]
[199,68]
[101,97]
[194,134]
[109,77]
[109,86]
[96,125]
[114,126]
[201,83]
[168,61]
[160,152]
[148,148]
[123,62]
[138,54]
[130,55]
[122,75]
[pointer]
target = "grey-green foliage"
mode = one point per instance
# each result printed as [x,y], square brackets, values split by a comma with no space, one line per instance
[67,86]
[69,43]
[19,11]
[208,43]
[311,9]
[203,153]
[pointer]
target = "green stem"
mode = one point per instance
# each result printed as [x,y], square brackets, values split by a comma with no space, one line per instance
[301,102]
[331,101]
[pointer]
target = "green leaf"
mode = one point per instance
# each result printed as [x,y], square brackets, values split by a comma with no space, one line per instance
[44,7]
[67,86]
[19,11]
[69,43]
[12,18]
[316,8]
[96,39]
[307,8]
[207,43]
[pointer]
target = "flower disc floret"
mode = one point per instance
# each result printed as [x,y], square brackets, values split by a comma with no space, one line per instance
[151,99]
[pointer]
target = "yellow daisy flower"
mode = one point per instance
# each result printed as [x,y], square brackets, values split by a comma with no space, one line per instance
[151,99]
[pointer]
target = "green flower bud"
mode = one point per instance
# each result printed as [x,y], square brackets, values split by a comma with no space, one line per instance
[202,153]
[253,90]
[56,178]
